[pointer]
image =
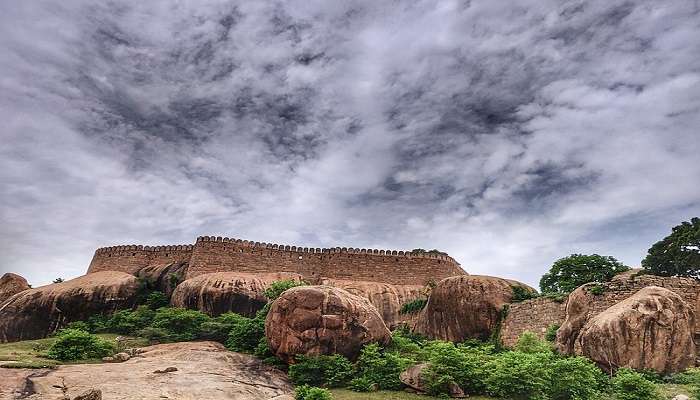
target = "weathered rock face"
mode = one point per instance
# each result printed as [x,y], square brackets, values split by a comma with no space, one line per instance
[195,370]
[386,298]
[464,307]
[165,276]
[652,329]
[578,307]
[36,313]
[322,320]
[221,292]
[11,284]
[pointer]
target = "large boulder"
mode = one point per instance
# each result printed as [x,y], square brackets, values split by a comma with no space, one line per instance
[385,297]
[652,329]
[188,370]
[220,292]
[163,277]
[465,307]
[318,320]
[578,312]
[11,284]
[36,313]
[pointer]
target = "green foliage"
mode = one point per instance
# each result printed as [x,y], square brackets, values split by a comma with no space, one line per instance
[630,385]
[381,367]
[306,392]
[74,344]
[691,376]
[98,323]
[127,322]
[406,344]
[362,384]
[519,376]
[597,290]
[461,365]
[551,334]
[413,306]
[521,294]
[156,300]
[278,287]
[678,254]
[529,343]
[245,333]
[568,273]
[328,371]
[79,325]
[179,323]
[154,335]
[575,378]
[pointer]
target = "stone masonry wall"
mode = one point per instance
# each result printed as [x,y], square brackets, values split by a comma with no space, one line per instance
[538,314]
[215,254]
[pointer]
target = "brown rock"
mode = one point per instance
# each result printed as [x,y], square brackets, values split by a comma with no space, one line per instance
[413,378]
[206,370]
[322,320]
[464,307]
[92,394]
[652,329]
[36,313]
[121,357]
[165,276]
[165,371]
[221,292]
[386,298]
[11,284]
[578,306]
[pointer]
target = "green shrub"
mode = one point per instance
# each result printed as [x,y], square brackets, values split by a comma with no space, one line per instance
[576,378]
[362,384]
[262,351]
[179,323]
[305,392]
[630,385]
[128,322]
[381,368]
[551,334]
[328,371]
[155,335]
[245,333]
[521,294]
[98,323]
[413,306]
[74,344]
[79,325]
[156,300]
[462,365]
[278,287]
[597,290]
[406,345]
[519,376]
[691,376]
[529,343]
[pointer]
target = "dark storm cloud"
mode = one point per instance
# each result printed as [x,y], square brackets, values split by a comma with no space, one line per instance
[506,133]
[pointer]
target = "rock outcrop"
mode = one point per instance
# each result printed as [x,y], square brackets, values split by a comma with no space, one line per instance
[10,285]
[163,277]
[464,307]
[385,297]
[322,320]
[652,329]
[221,292]
[196,370]
[36,313]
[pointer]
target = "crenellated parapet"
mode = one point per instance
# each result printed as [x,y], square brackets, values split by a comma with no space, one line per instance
[217,254]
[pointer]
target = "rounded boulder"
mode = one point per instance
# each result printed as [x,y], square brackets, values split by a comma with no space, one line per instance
[10,285]
[316,320]
[465,307]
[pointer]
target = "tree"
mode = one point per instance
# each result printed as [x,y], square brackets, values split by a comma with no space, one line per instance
[570,272]
[58,280]
[678,254]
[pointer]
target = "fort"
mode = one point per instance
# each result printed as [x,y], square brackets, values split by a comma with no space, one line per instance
[218,254]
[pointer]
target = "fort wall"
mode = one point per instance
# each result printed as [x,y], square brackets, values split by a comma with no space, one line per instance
[537,315]
[216,254]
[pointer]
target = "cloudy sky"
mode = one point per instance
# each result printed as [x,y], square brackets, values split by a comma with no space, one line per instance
[507,133]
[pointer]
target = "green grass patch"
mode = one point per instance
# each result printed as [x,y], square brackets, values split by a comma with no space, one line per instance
[345,394]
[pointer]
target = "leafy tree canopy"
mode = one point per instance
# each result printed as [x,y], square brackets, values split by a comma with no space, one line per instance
[570,272]
[678,254]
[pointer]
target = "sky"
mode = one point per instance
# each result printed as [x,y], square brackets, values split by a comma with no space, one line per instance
[506,133]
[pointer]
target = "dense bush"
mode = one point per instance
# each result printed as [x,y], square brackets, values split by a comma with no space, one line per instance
[245,333]
[305,392]
[413,306]
[678,254]
[521,294]
[278,287]
[381,367]
[363,384]
[462,365]
[630,385]
[179,323]
[128,322]
[568,273]
[156,300]
[529,343]
[519,376]
[74,344]
[328,371]
[575,378]
[79,325]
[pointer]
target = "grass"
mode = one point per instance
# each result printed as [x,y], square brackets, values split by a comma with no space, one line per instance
[31,353]
[344,394]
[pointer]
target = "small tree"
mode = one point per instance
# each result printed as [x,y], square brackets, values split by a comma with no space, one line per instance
[678,254]
[58,280]
[570,272]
